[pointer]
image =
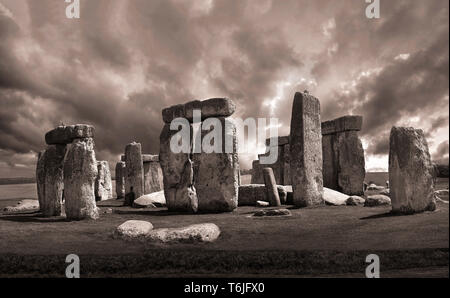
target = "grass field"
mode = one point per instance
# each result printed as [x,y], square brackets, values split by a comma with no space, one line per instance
[325,241]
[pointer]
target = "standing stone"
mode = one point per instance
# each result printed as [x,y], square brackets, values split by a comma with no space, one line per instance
[281,168]
[286,165]
[40,178]
[49,174]
[351,163]
[216,175]
[330,162]
[277,166]
[178,175]
[257,177]
[306,151]
[153,176]
[103,183]
[410,171]
[120,179]
[271,187]
[80,172]
[134,178]
[343,155]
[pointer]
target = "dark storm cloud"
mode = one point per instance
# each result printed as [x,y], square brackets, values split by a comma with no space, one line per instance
[415,87]
[442,151]
[123,61]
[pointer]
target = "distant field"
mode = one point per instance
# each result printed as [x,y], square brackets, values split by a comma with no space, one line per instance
[8,181]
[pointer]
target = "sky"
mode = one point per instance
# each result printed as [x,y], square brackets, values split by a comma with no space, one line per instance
[123,61]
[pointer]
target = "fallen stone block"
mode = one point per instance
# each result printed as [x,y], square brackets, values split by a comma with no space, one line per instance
[377,200]
[334,198]
[206,232]
[134,229]
[23,206]
[156,199]
[262,204]
[272,212]
[355,201]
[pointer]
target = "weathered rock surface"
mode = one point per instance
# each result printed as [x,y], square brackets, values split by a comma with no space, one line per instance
[120,179]
[343,155]
[271,187]
[153,177]
[216,175]
[306,151]
[377,200]
[410,172]
[80,172]
[63,135]
[50,179]
[272,212]
[156,199]
[24,205]
[40,177]
[330,161]
[103,182]
[178,174]
[206,232]
[214,107]
[334,198]
[134,178]
[346,123]
[134,229]
[249,194]
[355,201]
[351,163]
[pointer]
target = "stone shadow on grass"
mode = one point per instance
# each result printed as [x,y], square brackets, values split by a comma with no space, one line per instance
[31,217]
[155,212]
[382,215]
